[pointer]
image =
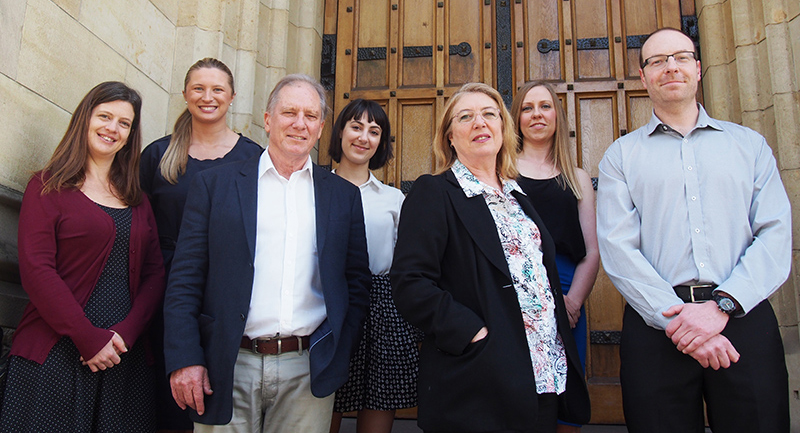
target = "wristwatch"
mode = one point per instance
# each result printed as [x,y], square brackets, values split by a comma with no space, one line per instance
[724,303]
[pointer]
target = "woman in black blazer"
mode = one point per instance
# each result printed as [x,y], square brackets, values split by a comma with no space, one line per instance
[474,269]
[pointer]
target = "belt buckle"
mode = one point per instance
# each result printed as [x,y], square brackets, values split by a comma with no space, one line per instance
[697,286]
[254,343]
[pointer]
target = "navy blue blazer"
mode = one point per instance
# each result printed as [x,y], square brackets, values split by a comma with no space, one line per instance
[208,294]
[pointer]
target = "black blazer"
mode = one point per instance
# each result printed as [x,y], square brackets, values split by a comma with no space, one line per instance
[208,295]
[450,278]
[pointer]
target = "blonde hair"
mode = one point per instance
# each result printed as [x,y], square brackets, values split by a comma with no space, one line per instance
[173,163]
[559,150]
[445,154]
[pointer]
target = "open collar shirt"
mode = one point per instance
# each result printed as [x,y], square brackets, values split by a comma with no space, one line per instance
[287,294]
[707,208]
[522,246]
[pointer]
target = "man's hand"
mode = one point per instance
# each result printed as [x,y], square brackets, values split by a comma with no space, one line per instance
[190,385]
[108,356]
[694,325]
[573,310]
[716,352]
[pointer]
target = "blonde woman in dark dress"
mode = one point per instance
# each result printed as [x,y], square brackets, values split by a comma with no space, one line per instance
[563,196]
[201,140]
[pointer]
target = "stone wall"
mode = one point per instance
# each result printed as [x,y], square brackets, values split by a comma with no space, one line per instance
[53,51]
[751,61]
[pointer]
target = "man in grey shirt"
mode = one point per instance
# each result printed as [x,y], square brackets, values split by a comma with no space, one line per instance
[694,231]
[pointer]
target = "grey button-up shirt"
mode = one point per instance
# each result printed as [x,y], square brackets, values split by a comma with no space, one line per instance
[709,207]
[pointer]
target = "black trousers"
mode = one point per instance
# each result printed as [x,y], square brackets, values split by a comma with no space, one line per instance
[663,389]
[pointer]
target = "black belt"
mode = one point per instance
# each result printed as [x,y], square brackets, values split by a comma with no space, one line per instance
[696,293]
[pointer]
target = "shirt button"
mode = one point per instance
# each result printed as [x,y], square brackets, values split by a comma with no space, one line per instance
[702,265]
[697,230]
[694,198]
[689,168]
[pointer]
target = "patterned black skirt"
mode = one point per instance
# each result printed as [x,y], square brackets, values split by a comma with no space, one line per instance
[383,372]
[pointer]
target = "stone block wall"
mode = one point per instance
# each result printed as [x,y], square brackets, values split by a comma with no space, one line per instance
[751,75]
[53,51]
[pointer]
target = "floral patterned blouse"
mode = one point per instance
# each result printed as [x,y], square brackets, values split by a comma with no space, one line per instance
[522,245]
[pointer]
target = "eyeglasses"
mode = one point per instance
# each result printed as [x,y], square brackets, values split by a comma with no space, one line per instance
[682,58]
[468,116]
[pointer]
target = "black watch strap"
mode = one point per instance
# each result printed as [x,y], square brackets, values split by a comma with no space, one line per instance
[726,304]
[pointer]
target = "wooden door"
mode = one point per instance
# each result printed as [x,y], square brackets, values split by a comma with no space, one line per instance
[411,55]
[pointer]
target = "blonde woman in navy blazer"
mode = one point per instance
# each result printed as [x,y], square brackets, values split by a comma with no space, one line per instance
[452,279]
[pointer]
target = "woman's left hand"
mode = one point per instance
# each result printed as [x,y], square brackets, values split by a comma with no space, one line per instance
[108,356]
[573,310]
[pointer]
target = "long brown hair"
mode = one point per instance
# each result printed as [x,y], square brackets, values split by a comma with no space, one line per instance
[560,152]
[173,163]
[446,155]
[67,166]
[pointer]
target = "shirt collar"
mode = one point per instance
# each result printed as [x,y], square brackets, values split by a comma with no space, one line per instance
[703,121]
[265,164]
[371,181]
[473,187]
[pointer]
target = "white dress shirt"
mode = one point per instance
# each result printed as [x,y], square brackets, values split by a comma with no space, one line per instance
[382,205]
[287,293]
[709,207]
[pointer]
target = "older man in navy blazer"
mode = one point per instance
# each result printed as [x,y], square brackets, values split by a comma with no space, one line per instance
[269,285]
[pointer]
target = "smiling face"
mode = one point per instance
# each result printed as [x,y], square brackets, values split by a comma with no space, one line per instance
[109,128]
[537,116]
[672,83]
[208,95]
[295,123]
[360,140]
[478,141]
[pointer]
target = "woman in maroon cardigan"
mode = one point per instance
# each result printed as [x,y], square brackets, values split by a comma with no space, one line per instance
[90,262]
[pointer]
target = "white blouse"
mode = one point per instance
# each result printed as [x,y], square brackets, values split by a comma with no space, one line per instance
[382,205]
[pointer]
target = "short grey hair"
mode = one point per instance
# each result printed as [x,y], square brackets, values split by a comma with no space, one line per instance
[293,78]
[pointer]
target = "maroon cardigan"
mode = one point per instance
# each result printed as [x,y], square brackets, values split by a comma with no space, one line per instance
[64,241]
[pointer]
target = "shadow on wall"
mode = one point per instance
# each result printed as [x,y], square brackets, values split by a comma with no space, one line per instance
[12,297]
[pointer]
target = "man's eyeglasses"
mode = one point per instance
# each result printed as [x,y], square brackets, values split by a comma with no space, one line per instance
[468,116]
[682,58]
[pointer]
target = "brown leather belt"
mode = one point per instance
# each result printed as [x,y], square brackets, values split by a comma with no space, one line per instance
[276,346]
[696,293]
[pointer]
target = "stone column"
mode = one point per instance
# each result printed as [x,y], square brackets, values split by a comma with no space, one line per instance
[751,58]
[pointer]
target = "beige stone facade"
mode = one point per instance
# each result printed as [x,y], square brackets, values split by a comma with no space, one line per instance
[751,75]
[53,51]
